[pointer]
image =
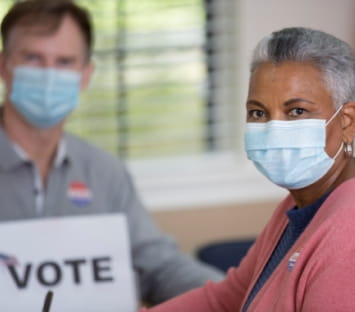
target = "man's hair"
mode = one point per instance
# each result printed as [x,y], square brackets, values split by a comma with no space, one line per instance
[333,57]
[47,16]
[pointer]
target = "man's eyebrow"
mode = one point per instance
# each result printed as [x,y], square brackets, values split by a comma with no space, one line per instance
[67,57]
[26,51]
[297,100]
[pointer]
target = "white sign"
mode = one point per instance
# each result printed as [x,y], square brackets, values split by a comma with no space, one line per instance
[84,261]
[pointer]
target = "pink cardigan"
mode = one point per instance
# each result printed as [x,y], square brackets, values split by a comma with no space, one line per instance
[316,275]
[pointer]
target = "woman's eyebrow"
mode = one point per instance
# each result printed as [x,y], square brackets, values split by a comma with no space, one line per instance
[287,103]
[297,100]
[254,102]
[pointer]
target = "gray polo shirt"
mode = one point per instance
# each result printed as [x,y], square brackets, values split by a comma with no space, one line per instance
[39,189]
[86,180]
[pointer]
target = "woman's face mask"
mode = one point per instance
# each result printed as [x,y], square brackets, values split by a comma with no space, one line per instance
[290,153]
[44,96]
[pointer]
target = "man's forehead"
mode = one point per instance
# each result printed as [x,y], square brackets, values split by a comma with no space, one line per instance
[32,30]
[63,35]
[44,26]
[30,34]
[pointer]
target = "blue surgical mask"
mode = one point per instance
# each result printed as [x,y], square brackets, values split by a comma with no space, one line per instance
[44,97]
[290,153]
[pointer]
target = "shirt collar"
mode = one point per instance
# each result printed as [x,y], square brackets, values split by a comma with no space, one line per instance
[9,158]
[60,157]
[300,218]
[12,155]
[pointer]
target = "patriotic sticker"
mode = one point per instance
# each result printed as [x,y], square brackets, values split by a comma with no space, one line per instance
[79,194]
[292,261]
[7,260]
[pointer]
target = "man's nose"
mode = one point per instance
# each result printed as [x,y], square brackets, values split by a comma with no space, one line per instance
[48,62]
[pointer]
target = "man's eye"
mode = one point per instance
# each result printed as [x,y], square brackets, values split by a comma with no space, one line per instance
[32,57]
[65,62]
[297,111]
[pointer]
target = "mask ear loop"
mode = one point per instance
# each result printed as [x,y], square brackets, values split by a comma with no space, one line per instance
[334,115]
[328,122]
[339,150]
[348,148]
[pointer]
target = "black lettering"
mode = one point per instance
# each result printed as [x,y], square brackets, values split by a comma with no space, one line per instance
[75,265]
[99,267]
[57,276]
[20,283]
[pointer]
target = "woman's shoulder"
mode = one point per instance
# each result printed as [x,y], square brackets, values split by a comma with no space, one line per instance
[341,202]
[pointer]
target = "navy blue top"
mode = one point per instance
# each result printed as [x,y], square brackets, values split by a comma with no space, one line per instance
[298,219]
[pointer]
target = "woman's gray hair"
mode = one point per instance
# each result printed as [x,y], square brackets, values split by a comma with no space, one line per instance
[332,56]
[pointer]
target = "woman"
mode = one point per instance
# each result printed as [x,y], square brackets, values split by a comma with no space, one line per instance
[299,134]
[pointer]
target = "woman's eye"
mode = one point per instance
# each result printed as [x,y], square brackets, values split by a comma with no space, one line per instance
[255,114]
[297,111]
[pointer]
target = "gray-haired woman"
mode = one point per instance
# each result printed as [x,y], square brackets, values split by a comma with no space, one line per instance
[299,134]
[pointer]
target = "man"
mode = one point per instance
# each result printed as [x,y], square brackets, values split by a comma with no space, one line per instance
[44,64]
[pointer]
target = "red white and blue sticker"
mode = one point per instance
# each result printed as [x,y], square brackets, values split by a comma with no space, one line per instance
[292,260]
[79,194]
[7,259]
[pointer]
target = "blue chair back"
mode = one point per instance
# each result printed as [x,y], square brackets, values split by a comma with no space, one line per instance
[224,255]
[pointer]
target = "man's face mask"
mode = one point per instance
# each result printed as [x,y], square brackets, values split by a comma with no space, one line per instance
[290,153]
[44,97]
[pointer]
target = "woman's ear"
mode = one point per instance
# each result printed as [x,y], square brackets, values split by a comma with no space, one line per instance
[348,122]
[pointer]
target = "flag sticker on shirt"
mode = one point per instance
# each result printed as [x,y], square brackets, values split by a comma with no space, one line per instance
[292,261]
[79,194]
[7,260]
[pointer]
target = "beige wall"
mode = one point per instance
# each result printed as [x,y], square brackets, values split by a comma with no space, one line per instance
[257,18]
[195,227]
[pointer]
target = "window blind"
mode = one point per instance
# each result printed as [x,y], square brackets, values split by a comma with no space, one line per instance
[162,82]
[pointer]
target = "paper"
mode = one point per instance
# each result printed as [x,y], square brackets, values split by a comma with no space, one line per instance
[84,261]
